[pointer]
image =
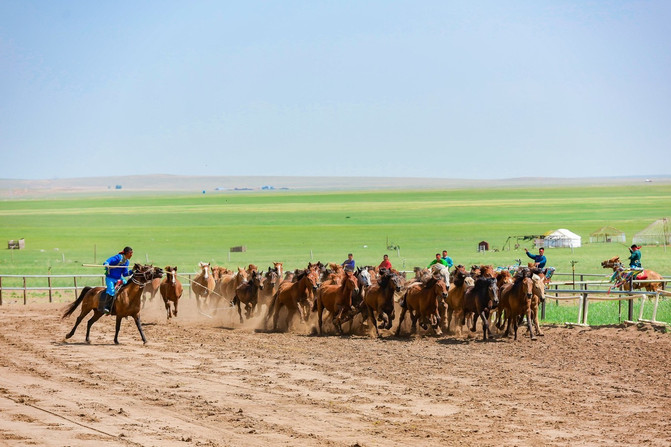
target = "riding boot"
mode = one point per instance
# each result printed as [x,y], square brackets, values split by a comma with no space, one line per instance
[101,301]
[108,303]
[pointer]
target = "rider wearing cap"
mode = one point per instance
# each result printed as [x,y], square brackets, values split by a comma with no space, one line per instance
[635,257]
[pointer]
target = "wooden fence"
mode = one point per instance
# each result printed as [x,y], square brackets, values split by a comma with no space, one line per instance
[52,283]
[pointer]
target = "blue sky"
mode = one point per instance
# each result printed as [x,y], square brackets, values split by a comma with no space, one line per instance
[472,89]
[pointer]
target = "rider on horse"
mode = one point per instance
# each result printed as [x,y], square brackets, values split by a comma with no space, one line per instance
[116,269]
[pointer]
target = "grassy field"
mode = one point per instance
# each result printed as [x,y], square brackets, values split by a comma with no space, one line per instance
[294,228]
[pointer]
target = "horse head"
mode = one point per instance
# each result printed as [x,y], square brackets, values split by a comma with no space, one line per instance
[271,277]
[363,277]
[398,282]
[350,281]
[439,286]
[486,290]
[171,272]
[613,263]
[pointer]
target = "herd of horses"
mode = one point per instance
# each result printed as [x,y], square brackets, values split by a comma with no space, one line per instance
[438,300]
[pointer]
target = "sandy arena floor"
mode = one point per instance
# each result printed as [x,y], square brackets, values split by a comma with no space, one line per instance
[213,382]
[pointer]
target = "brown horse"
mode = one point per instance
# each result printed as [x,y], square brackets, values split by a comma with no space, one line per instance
[226,286]
[518,301]
[422,302]
[247,293]
[150,289]
[271,283]
[171,290]
[481,299]
[127,302]
[626,278]
[203,284]
[337,299]
[294,296]
[454,303]
[379,300]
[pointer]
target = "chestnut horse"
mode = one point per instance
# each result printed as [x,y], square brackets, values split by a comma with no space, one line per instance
[422,302]
[379,299]
[294,296]
[171,290]
[271,283]
[454,303]
[627,278]
[150,289]
[127,302]
[517,298]
[203,284]
[481,299]
[248,293]
[227,284]
[337,299]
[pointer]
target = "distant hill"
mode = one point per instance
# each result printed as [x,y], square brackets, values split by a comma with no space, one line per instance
[10,188]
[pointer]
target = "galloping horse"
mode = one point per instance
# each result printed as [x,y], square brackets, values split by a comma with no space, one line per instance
[454,303]
[226,286]
[379,299]
[518,300]
[150,289]
[127,302]
[271,283]
[203,284]
[422,302]
[294,296]
[627,279]
[171,290]
[248,293]
[337,299]
[481,299]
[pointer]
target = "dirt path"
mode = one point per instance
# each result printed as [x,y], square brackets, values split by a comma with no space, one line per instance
[209,382]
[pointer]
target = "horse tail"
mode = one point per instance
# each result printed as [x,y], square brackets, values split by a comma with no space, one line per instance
[72,307]
[271,306]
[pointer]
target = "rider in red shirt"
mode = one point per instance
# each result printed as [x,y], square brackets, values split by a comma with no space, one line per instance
[385,263]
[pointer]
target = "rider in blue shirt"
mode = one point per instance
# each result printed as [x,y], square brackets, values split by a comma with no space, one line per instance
[349,262]
[112,276]
[448,261]
[539,259]
[635,257]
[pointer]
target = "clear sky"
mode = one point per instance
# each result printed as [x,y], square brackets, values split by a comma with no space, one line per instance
[449,89]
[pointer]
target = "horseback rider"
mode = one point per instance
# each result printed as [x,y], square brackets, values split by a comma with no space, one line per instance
[540,260]
[635,257]
[116,269]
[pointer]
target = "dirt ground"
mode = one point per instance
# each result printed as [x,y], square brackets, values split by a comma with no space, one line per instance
[212,382]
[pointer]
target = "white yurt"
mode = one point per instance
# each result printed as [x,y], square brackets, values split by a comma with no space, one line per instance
[562,238]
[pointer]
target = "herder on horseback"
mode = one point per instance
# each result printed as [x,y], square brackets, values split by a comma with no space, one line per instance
[116,269]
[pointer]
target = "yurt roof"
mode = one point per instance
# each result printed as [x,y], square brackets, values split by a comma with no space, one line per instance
[607,231]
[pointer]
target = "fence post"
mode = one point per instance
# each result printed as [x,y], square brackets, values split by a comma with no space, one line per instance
[75,278]
[190,286]
[543,310]
[25,292]
[49,283]
[630,314]
[0,290]
[585,308]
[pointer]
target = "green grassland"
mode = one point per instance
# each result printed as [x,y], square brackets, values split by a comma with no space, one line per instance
[63,233]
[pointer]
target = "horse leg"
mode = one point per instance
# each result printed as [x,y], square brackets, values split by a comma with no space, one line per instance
[371,317]
[93,319]
[79,320]
[413,318]
[475,322]
[174,312]
[320,310]
[236,300]
[536,325]
[531,333]
[117,328]
[139,328]
[167,307]
[400,321]
[485,325]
